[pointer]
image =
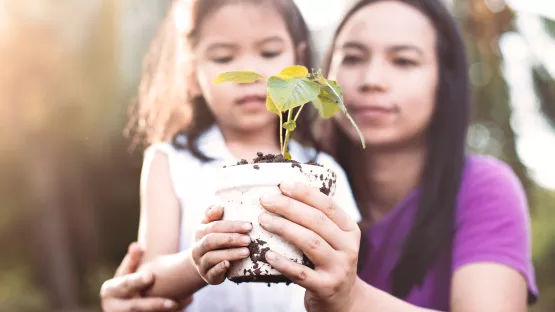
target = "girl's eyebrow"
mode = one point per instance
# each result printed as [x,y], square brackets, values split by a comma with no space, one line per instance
[354,45]
[220,45]
[270,39]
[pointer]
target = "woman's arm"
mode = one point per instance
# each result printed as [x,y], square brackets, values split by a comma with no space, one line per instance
[332,241]
[159,228]
[122,292]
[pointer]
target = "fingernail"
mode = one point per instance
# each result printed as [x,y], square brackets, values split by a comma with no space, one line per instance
[269,199]
[168,304]
[287,186]
[271,256]
[265,219]
[247,226]
[246,240]
[245,252]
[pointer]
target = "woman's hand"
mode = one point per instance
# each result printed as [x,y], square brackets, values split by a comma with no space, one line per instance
[123,292]
[218,243]
[326,235]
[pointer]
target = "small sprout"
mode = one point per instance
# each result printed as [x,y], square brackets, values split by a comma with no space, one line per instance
[290,125]
[291,89]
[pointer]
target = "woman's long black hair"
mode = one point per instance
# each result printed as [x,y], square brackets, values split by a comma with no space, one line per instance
[434,224]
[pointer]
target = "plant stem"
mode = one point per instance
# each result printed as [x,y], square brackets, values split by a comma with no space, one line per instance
[281,131]
[287,134]
[299,112]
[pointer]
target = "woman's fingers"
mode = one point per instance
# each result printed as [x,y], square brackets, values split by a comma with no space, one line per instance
[131,261]
[314,198]
[298,273]
[214,241]
[212,258]
[223,227]
[304,215]
[147,305]
[312,245]
[126,286]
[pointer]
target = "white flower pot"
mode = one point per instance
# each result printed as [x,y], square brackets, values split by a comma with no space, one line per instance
[239,191]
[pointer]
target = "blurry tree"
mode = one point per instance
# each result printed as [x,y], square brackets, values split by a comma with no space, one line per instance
[483,24]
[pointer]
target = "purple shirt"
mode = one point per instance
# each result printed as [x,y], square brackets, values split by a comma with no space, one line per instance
[492,225]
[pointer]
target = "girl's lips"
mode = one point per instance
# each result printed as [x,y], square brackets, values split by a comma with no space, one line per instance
[252,102]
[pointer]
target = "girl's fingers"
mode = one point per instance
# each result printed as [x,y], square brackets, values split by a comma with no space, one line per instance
[312,245]
[212,258]
[306,216]
[298,273]
[215,241]
[316,199]
[216,275]
[213,213]
[223,227]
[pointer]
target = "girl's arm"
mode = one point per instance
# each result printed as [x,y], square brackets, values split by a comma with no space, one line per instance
[159,229]
[332,245]
[180,275]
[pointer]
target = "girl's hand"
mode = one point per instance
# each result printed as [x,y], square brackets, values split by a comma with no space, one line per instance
[218,243]
[326,235]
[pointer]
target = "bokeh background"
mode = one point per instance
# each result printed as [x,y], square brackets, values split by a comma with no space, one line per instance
[69,182]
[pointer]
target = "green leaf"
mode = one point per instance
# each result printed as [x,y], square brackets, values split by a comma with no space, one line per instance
[338,94]
[288,93]
[290,125]
[241,76]
[271,106]
[287,156]
[295,71]
[326,103]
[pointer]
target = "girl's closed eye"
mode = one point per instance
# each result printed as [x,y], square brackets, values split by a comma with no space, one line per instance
[222,59]
[351,59]
[270,53]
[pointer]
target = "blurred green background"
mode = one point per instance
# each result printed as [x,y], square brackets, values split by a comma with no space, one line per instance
[69,183]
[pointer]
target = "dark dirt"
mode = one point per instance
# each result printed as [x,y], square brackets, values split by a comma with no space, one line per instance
[258,252]
[275,279]
[271,158]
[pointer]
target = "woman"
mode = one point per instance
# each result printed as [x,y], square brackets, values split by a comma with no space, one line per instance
[442,230]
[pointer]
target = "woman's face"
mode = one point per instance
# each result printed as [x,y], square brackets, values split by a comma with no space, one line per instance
[385,61]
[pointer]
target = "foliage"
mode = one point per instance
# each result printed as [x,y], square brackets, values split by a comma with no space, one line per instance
[293,88]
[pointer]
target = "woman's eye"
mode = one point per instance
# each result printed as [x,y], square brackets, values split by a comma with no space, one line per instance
[223,59]
[351,60]
[404,62]
[270,54]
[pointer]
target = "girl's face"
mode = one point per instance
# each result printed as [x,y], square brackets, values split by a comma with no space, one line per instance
[384,59]
[241,37]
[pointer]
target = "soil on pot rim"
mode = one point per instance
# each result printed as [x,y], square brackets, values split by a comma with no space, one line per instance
[273,158]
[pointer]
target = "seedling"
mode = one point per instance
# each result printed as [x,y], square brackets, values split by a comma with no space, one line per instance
[292,89]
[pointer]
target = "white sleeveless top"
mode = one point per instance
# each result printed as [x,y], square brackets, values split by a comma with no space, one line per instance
[194,185]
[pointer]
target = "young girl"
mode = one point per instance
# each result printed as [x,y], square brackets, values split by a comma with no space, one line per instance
[443,230]
[194,128]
